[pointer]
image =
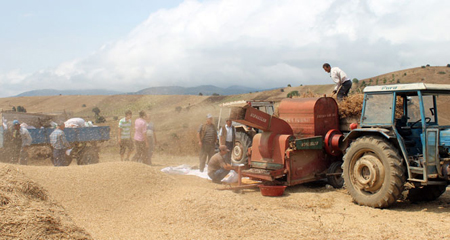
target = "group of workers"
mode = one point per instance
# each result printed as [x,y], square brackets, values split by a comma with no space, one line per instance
[144,138]
[20,141]
[219,164]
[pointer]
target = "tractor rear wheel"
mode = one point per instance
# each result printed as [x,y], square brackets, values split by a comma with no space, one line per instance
[426,193]
[373,172]
[89,155]
[337,181]
[239,151]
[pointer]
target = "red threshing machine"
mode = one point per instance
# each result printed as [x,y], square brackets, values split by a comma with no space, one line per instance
[302,145]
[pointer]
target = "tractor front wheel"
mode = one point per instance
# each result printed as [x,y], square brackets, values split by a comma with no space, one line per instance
[239,151]
[335,178]
[373,172]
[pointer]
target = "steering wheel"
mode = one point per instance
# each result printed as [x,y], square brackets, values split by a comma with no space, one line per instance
[427,120]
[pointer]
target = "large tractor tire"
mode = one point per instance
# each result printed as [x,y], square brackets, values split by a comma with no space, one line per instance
[89,155]
[426,193]
[337,181]
[373,172]
[241,145]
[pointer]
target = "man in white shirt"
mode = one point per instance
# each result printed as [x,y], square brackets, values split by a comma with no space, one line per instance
[226,137]
[343,83]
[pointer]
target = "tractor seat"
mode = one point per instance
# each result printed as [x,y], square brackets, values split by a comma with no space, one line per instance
[402,128]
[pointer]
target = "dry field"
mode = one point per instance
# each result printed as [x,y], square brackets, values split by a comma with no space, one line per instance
[127,200]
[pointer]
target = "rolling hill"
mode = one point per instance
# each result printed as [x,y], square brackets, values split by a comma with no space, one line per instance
[177,117]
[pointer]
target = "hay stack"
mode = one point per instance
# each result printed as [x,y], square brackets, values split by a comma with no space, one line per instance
[27,212]
[351,106]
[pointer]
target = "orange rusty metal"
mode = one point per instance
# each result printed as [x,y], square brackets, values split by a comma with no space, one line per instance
[257,119]
[310,117]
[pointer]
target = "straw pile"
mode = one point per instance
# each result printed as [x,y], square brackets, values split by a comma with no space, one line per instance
[27,212]
[351,106]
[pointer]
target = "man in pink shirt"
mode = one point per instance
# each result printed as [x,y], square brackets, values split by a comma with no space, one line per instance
[140,138]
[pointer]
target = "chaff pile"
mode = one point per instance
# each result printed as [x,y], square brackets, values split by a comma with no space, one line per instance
[28,213]
[351,107]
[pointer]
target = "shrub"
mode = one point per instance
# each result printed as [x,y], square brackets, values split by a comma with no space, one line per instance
[116,118]
[200,94]
[21,109]
[423,66]
[448,65]
[100,119]
[281,90]
[355,81]
[441,72]
[292,94]
[84,105]
[289,85]
[178,109]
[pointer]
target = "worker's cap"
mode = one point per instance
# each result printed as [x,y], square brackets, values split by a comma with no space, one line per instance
[223,148]
[16,122]
[208,115]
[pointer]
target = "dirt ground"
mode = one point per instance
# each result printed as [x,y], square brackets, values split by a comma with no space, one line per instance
[128,200]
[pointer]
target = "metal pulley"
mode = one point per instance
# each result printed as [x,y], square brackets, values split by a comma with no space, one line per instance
[334,142]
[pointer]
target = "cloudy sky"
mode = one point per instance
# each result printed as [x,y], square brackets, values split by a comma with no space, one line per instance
[135,44]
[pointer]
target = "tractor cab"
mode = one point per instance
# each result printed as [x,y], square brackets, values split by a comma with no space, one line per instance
[406,126]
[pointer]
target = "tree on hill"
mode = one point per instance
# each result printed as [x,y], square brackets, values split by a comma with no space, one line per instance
[19,109]
[96,110]
[292,94]
[200,94]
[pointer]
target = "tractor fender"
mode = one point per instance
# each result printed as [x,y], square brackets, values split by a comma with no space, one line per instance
[368,131]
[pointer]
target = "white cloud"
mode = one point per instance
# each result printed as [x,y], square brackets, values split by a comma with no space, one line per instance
[261,43]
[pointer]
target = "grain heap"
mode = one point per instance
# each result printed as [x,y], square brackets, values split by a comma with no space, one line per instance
[27,212]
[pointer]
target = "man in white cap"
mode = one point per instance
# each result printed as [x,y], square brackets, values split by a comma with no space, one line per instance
[59,144]
[207,138]
[217,167]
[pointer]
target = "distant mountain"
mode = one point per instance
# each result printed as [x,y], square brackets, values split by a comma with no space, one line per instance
[54,92]
[174,90]
[204,89]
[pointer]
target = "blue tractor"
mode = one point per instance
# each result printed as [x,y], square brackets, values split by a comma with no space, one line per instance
[400,145]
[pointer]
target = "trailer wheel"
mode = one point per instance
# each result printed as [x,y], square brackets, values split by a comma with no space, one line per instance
[88,156]
[373,172]
[68,160]
[426,193]
[241,145]
[337,181]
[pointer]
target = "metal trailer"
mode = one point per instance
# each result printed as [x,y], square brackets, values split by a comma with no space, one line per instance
[84,141]
[302,145]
